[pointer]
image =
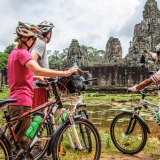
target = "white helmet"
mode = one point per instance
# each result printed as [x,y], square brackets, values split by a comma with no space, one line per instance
[157,48]
[45,27]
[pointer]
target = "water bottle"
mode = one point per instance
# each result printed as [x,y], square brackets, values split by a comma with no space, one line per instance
[158,112]
[75,65]
[64,117]
[33,126]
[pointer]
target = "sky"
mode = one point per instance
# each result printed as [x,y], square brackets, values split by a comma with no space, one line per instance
[91,22]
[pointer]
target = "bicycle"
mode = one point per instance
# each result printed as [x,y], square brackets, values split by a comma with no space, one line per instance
[69,124]
[128,129]
[78,104]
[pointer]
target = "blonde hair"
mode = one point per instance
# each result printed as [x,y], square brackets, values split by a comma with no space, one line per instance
[19,41]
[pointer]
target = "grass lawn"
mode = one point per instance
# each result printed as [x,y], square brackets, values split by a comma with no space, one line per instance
[93,99]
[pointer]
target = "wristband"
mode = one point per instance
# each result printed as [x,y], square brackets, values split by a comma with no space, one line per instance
[134,88]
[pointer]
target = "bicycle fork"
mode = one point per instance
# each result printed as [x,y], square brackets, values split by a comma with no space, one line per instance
[131,124]
[73,127]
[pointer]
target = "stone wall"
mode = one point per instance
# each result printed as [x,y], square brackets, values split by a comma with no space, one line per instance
[118,76]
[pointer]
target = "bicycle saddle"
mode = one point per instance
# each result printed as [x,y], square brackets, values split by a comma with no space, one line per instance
[2,102]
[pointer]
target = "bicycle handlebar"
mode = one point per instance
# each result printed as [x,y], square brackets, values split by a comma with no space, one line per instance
[55,80]
[88,80]
[142,92]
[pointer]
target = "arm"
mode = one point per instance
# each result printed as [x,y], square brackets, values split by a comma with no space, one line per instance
[142,85]
[152,55]
[33,66]
[35,56]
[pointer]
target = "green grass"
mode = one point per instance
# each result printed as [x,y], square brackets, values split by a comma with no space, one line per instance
[4,91]
[93,99]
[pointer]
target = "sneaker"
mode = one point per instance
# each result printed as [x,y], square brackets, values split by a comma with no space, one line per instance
[35,152]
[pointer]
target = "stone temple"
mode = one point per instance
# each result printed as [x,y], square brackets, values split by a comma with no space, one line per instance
[114,70]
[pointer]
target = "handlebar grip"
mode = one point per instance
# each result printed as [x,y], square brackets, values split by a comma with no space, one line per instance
[41,84]
[49,79]
[78,72]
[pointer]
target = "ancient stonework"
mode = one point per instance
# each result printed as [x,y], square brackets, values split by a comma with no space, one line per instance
[146,34]
[77,53]
[113,50]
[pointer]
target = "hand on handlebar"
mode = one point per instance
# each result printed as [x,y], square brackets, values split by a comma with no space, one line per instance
[129,90]
[71,71]
[40,78]
[77,72]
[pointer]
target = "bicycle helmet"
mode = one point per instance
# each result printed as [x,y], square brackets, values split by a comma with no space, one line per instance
[45,27]
[28,30]
[157,48]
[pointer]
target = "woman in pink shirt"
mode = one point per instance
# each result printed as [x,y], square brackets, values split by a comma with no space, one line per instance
[20,73]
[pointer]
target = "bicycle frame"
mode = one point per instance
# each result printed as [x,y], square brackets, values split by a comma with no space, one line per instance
[49,110]
[147,106]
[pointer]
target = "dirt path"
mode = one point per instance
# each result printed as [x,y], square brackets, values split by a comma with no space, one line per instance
[139,156]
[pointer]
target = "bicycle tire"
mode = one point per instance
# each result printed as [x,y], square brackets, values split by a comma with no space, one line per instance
[62,149]
[40,148]
[5,151]
[130,143]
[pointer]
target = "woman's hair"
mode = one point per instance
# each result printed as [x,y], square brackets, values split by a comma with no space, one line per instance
[19,41]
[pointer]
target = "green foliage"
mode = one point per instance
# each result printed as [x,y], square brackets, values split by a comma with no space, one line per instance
[9,48]
[56,58]
[94,54]
[3,60]
[4,91]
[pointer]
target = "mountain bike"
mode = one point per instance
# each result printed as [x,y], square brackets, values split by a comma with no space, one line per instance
[69,124]
[128,129]
[85,131]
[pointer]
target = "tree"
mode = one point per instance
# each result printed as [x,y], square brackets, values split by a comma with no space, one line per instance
[9,48]
[94,54]
[3,60]
[56,58]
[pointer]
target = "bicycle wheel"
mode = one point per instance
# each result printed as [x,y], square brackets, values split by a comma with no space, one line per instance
[128,134]
[40,147]
[63,149]
[5,151]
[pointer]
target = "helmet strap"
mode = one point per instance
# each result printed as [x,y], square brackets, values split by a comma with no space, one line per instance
[28,47]
[50,36]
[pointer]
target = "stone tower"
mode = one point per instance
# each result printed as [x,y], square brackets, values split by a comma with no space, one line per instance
[113,50]
[77,53]
[146,33]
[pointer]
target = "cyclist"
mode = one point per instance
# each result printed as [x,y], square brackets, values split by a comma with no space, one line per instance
[156,56]
[154,78]
[39,54]
[20,73]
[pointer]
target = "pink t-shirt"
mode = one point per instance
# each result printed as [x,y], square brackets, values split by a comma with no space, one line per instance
[20,77]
